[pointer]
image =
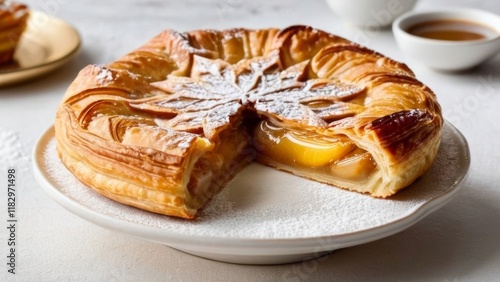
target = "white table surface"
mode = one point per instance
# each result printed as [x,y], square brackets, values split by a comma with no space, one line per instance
[459,242]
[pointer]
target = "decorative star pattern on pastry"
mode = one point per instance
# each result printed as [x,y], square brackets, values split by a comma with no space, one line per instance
[216,91]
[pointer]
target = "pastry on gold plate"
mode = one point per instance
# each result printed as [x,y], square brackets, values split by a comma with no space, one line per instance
[168,125]
[13,20]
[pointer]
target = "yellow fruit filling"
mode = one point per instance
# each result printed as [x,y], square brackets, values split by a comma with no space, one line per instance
[336,156]
[357,165]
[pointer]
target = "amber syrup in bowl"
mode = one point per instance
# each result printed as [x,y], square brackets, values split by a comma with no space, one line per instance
[451,39]
[452,30]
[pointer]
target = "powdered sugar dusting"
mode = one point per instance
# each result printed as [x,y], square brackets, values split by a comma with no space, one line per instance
[104,75]
[262,203]
[12,153]
[216,91]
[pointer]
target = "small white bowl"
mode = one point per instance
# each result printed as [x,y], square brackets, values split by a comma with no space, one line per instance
[448,55]
[370,13]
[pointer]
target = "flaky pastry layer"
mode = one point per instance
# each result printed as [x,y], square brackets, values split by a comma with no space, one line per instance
[13,22]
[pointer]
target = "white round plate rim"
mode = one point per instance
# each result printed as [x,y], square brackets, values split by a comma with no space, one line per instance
[15,75]
[250,250]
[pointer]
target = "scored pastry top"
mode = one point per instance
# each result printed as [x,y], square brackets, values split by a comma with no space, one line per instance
[198,81]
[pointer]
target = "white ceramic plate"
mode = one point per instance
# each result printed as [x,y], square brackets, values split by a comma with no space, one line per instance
[265,216]
[47,44]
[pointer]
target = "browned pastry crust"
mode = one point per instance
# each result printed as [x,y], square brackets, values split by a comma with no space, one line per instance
[13,21]
[166,126]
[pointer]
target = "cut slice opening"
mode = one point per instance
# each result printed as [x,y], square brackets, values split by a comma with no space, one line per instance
[334,157]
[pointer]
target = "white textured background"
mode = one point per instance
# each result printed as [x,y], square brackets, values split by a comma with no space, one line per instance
[460,242]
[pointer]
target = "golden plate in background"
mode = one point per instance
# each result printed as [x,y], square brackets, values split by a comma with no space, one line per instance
[47,44]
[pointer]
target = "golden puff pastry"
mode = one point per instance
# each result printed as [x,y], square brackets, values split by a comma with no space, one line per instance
[168,125]
[13,21]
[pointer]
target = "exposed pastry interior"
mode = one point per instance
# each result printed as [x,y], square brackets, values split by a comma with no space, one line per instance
[168,125]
